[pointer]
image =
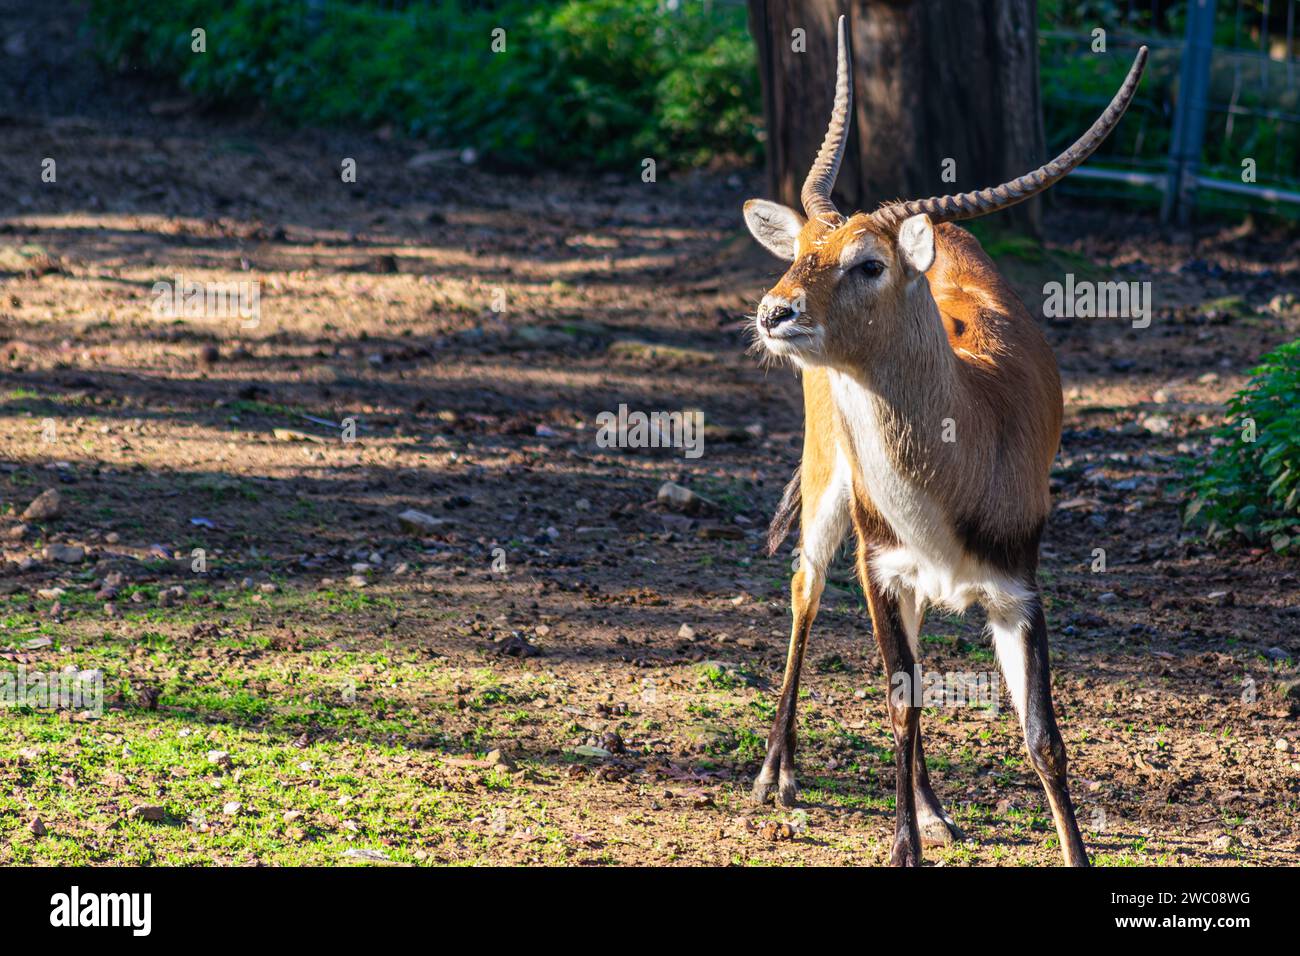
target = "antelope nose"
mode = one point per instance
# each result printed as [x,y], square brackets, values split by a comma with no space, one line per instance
[773,312]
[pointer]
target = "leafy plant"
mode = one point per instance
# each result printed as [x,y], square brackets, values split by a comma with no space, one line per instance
[582,83]
[1249,484]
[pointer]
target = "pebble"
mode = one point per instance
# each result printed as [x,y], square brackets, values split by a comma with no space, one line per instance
[373,856]
[674,496]
[64,553]
[48,504]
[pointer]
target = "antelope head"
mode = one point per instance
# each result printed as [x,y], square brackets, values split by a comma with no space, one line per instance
[854,280]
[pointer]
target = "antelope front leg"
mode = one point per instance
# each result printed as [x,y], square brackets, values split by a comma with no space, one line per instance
[1021,642]
[805,595]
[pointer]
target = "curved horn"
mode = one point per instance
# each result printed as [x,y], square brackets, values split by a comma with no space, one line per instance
[985,201]
[816,193]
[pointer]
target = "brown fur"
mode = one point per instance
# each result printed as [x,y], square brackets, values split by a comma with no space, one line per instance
[998,382]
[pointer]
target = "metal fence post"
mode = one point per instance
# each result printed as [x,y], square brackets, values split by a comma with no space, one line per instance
[1189,117]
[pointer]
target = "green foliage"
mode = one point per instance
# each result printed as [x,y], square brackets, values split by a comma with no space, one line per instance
[1077,84]
[587,83]
[1252,488]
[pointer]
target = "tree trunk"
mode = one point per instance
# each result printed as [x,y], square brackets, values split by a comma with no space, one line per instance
[945,96]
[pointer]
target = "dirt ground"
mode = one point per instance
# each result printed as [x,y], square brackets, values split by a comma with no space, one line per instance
[559,670]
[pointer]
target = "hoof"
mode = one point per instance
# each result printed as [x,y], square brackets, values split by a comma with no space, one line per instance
[940,831]
[787,794]
[762,791]
[905,853]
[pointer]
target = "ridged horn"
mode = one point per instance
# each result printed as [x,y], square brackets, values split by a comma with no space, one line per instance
[816,193]
[985,201]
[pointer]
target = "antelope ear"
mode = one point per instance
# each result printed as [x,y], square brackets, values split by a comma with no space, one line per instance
[776,227]
[916,242]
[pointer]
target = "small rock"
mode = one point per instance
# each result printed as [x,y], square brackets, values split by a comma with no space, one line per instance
[721,532]
[1110,597]
[37,827]
[677,498]
[371,856]
[150,814]
[686,632]
[1283,745]
[293,434]
[47,505]
[64,553]
[357,581]
[417,522]
[220,758]
[517,646]
[496,758]
[778,831]
[232,809]
[1157,424]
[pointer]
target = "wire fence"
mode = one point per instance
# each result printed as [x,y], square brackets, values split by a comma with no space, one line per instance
[1217,122]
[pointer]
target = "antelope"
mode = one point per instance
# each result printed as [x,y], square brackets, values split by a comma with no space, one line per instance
[906,335]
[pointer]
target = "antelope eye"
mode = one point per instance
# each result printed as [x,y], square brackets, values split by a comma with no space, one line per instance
[871,268]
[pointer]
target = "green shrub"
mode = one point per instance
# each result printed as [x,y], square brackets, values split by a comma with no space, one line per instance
[1252,488]
[582,83]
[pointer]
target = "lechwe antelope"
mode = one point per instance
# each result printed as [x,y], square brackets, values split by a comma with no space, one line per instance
[932,414]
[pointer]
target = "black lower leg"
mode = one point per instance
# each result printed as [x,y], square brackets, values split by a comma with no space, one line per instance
[1043,740]
[904,715]
[937,827]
